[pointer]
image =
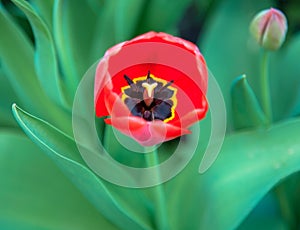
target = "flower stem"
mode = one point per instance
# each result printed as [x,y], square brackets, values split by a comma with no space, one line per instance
[280,192]
[285,206]
[159,194]
[265,87]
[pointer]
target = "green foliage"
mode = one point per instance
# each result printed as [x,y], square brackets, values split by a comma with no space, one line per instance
[43,198]
[62,149]
[285,79]
[245,107]
[45,49]
[46,65]
[240,55]
[238,180]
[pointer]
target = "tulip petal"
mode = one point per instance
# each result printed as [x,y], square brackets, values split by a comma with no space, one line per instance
[115,106]
[168,59]
[127,124]
[190,118]
[172,131]
[102,81]
[144,132]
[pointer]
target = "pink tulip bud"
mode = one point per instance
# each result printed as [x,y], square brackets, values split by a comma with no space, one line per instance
[269,28]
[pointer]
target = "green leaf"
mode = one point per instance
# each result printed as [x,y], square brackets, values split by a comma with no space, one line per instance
[74,25]
[266,215]
[117,21]
[35,194]
[127,18]
[7,96]
[16,56]
[246,110]
[95,5]
[285,79]
[121,153]
[46,63]
[105,34]
[45,10]
[121,205]
[248,166]
[228,48]
[160,15]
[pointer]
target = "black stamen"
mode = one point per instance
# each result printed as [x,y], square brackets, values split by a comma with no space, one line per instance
[129,81]
[166,85]
[160,106]
[148,75]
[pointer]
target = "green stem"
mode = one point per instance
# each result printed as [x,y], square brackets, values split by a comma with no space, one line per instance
[267,107]
[265,87]
[285,206]
[159,194]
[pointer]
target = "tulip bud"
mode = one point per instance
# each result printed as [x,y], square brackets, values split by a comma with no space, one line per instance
[269,28]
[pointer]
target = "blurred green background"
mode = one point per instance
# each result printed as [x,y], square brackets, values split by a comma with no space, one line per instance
[46,46]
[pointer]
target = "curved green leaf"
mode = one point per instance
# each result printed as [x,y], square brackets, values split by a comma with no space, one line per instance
[34,193]
[16,56]
[266,215]
[45,10]
[285,79]
[105,34]
[127,18]
[121,205]
[46,63]
[74,25]
[7,97]
[248,166]
[246,110]
[228,48]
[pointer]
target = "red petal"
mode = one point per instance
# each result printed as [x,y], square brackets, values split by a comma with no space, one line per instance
[166,57]
[115,106]
[146,133]
[165,38]
[190,118]
[170,131]
[127,124]
[103,79]
[189,95]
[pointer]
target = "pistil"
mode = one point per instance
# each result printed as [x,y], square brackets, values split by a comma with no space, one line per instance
[148,94]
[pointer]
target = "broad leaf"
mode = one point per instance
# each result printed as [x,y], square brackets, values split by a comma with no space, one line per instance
[46,63]
[16,56]
[266,215]
[228,48]
[285,79]
[45,11]
[14,46]
[35,194]
[74,30]
[124,206]
[248,166]
[7,97]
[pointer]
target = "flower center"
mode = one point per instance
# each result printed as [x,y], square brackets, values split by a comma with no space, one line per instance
[150,97]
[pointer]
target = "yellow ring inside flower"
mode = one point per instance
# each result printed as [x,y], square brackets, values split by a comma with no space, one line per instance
[164,82]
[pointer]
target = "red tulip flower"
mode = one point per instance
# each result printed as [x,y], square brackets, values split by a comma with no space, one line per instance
[152,87]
